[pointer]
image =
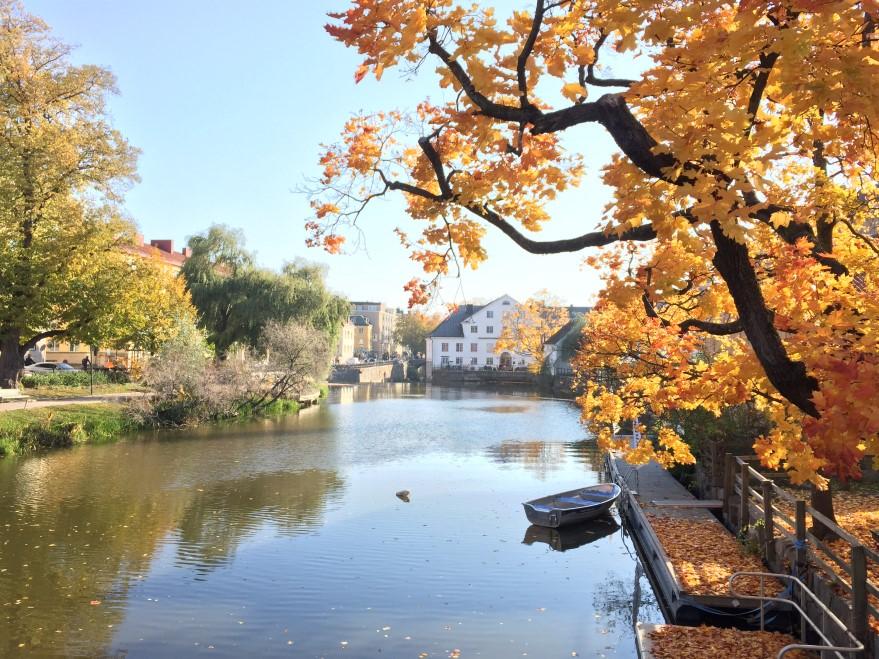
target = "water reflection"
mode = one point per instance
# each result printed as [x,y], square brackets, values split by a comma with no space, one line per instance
[82,527]
[288,534]
[571,537]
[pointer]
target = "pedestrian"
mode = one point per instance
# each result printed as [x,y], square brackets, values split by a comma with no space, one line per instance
[86,362]
[29,360]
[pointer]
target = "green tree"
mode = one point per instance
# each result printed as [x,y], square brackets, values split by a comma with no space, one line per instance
[63,168]
[412,330]
[236,299]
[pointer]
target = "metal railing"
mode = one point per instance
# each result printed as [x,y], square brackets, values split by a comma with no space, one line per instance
[806,622]
[762,501]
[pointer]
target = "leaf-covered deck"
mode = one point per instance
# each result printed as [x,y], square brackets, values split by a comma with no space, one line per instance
[674,642]
[705,555]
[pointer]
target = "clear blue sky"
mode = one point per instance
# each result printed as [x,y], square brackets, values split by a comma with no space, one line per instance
[229,102]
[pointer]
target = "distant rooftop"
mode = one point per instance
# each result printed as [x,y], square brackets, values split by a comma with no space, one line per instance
[451,326]
[162,249]
[361,321]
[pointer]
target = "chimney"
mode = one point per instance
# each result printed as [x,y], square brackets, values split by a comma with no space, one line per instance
[185,252]
[163,245]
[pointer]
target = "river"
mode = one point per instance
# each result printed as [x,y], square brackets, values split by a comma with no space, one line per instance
[284,538]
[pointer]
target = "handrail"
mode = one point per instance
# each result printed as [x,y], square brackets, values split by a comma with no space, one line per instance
[826,614]
[748,487]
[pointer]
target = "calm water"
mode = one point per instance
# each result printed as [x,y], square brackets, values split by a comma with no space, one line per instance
[285,538]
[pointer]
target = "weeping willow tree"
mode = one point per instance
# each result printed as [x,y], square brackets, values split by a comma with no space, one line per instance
[236,299]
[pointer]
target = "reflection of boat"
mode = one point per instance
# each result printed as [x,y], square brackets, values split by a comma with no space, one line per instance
[571,537]
[571,507]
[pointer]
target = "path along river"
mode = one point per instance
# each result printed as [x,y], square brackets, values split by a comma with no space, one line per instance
[284,538]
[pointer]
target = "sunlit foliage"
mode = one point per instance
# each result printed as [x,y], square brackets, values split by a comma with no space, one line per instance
[745,192]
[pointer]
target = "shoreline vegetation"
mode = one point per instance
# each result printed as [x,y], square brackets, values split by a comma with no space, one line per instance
[25,432]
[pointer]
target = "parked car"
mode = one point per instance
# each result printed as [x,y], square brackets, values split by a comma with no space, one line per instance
[48,367]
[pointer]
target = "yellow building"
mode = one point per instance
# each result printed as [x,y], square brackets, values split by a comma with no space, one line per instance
[384,322]
[362,334]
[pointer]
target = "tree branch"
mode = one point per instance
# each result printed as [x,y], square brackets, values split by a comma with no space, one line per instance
[592,239]
[522,61]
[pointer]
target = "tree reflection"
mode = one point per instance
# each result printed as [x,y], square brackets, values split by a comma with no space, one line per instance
[624,602]
[538,457]
[81,527]
[221,516]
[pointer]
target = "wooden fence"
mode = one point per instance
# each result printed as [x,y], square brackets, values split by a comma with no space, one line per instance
[751,501]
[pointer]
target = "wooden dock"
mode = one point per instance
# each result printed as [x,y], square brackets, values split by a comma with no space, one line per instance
[650,488]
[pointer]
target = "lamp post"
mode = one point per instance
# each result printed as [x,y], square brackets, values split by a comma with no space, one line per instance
[92,371]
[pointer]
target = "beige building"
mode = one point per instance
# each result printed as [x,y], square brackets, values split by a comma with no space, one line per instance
[384,322]
[345,346]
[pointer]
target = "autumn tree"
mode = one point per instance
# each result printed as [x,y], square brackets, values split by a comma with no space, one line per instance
[745,187]
[236,299]
[413,328]
[67,267]
[527,329]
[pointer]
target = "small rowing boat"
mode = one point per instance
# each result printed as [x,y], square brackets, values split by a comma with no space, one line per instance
[573,506]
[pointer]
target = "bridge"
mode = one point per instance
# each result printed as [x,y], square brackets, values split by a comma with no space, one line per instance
[369,372]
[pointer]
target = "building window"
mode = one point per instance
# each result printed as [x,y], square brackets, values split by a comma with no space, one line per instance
[506,302]
[459,361]
[444,360]
[74,347]
[474,347]
[473,361]
[489,361]
[444,347]
[459,347]
[489,329]
[474,329]
[54,346]
[489,314]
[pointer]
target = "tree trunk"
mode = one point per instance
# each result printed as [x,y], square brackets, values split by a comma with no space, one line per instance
[11,361]
[822,501]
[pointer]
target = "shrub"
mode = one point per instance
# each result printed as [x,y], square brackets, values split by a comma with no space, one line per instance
[73,379]
[190,387]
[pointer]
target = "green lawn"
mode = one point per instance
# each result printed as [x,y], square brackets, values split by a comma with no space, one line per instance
[57,391]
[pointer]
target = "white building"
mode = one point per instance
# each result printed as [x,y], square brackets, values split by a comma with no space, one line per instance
[560,347]
[467,338]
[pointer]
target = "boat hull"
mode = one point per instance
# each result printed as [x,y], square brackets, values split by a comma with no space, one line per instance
[573,507]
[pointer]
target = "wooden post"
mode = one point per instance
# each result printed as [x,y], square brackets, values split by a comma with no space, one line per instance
[859,592]
[768,523]
[800,546]
[729,477]
[745,505]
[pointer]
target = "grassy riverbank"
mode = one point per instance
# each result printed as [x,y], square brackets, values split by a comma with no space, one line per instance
[26,431]
[61,426]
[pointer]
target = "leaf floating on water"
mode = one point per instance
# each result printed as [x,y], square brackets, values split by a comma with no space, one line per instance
[95,602]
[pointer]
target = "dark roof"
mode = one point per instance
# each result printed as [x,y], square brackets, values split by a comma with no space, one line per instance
[562,332]
[359,320]
[579,311]
[451,326]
